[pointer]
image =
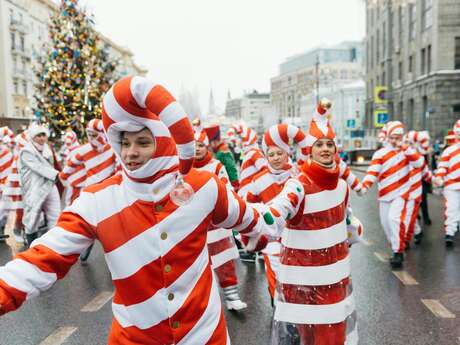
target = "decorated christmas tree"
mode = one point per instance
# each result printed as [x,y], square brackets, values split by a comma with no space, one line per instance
[73,74]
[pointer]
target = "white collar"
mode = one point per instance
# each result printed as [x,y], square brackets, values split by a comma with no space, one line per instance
[154,191]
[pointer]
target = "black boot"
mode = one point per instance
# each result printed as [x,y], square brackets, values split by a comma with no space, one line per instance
[30,238]
[449,241]
[3,236]
[418,238]
[396,260]
[406,245]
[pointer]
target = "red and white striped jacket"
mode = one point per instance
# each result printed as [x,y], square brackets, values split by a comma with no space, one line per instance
[155,250]
[6,162]
[98,165]
[253,162]
[449,167]
[314,285]
[221,246]
[416,177]
[351,179]
[390,167]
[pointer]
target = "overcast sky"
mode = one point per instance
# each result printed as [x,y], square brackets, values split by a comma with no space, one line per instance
[231,45]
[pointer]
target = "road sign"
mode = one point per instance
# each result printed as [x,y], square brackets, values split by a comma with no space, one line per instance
[380,117]
[351,123]
[380,95]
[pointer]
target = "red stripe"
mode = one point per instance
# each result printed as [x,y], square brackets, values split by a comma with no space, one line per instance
[316,257]
[321,219]
[158,99]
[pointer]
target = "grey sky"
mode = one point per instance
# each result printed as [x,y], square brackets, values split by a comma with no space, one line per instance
[232,45]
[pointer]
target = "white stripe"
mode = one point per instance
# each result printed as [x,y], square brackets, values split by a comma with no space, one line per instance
[315,275]
[274,134]
[99,159]
[382,257]
[186,150]
[203,330]
[326,199]
[97,302]
[157,308]
[148,246]
[140,88]
[438,309]
[172,113]
[101,175]
[59,336]
[224,257]
[26,277]
[63,242]
[315,239]
[405,278]
[314,314]
[218,234]
[233,212]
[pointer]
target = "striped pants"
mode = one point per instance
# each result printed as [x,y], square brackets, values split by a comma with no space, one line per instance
[411,221]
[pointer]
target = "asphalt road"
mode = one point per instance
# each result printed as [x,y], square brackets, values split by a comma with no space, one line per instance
[419,306]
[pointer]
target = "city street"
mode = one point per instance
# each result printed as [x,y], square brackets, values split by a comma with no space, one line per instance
[417,305]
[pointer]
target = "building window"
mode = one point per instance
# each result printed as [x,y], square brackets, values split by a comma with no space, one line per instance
[410,114]
[400,70]
[11,16]
[422,61]
[13,40]
[384,41]
[22,42]
[17,111]
[16,87]
[383,79]
[427,14]
[425,111]
[24,88]
[428,58]
[15,62]
[372,52]
[412,20]
[457,52]
[377,42]
[400,24]
[411,61]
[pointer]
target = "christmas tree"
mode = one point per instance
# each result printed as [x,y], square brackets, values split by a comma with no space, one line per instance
[73,74]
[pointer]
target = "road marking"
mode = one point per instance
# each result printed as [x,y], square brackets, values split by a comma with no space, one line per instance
[405,278]
[98,302]
[438,309]
[58,336]
[366,242]
[382,257]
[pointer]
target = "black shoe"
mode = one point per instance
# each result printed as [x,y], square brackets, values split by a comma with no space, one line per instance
[248,257]
[427,221]
[396,260]
[406,245]
[418,238]
[449,241]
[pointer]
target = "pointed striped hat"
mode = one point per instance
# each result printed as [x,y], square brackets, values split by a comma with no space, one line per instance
[135,103]
[284,136]
[320,126]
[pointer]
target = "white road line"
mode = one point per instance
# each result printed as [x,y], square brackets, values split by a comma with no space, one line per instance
[405,278]
[382,257]
[58,336]
[366,242]
[438,309]
[98,302]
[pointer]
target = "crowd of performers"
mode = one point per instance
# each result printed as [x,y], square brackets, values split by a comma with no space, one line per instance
[173,210]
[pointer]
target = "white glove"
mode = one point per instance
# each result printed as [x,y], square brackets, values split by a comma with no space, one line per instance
[438,181]
[362,191]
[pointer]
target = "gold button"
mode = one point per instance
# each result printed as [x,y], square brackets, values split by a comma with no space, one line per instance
[158,208]
[164,236]
[156,191]
[167,268]
[170,296]
[175,324]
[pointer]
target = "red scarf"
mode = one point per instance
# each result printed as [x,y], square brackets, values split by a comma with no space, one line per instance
[323,177]
[201,163]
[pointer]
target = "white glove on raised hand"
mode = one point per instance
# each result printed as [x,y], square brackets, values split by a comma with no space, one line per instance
[438,181]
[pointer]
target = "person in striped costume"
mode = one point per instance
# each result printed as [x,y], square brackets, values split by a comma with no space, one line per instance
[420,142]
[70,143]
[253,158]
[151,226]
[12,192]
[390,167]
[277,145]
[221,245]
[314,302]
[448,176]
[6,162]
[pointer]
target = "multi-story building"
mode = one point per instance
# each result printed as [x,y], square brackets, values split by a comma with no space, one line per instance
[304,73]
[413,49]
[251,109]
[23,31]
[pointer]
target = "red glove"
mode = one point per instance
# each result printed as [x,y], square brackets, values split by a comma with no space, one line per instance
[254,244]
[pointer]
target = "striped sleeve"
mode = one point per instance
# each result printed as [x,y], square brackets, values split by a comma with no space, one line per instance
[373,171]
[415,159]
[443,164]
[349,177]
[6,161]
[71,166]
[427,175]
[50,257]
[231,212]
[222,174]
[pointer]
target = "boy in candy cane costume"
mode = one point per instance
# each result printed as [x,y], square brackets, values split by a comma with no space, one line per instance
[448,175]
[152,221]
[221,244]
[390,167]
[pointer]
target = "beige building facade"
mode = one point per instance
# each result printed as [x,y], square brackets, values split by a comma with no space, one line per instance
[23,31]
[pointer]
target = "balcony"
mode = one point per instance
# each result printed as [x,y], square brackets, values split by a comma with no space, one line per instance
[23,51]
[16,25]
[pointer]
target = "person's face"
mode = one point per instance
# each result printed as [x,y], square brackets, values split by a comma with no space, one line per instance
[137,148]
[200,150]
[323,151]
[40,139]
[395,140]
[277,158]
[92,135]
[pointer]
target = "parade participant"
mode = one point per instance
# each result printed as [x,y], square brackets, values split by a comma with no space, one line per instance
[448,175]
[314,301]
[152,221]
[38,181]
[70,143]
[268,183]
[390,167]
[253,158]
[450,138]
[420,142]
[223,153]
[12,192]
[6,162]
[221,245]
